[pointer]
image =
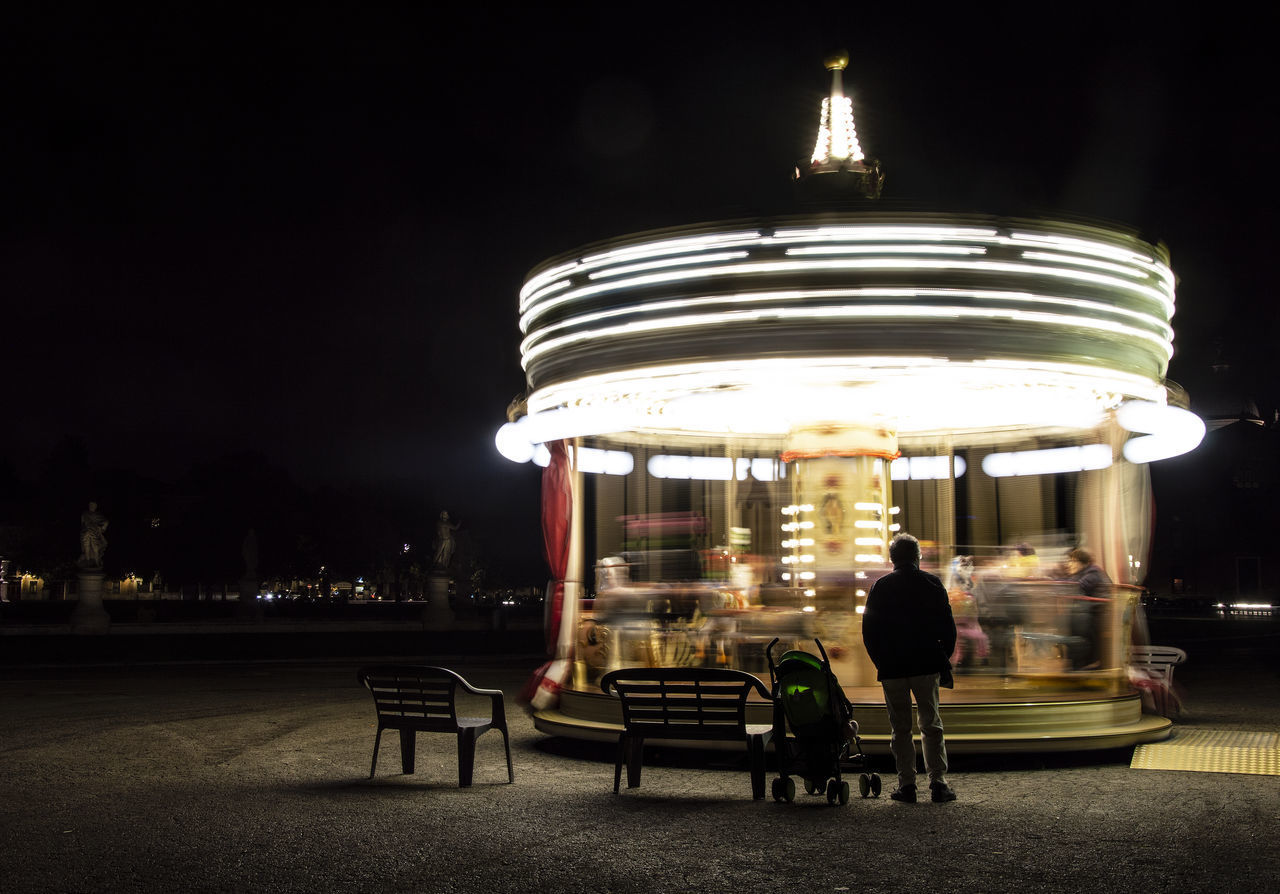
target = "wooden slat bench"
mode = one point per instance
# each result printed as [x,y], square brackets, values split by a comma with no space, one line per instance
[414,698]
[686,704]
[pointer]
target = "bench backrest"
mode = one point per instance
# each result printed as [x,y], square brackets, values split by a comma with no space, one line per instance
[421,697]
[684,702]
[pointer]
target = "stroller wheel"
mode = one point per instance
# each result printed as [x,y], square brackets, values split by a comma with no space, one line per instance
[875,785]
[864,785]
[777,789]
[843,795]
[833,791]
[812,787]
[788,789]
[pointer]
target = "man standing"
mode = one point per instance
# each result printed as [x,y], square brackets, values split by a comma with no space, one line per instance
[910,635]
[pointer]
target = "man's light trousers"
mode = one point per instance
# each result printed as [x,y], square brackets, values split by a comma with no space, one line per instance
[897,696]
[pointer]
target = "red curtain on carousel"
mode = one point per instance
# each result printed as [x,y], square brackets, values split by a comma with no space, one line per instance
[543,690]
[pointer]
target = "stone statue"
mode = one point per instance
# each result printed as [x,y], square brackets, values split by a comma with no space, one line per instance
[444,542]
[93,537]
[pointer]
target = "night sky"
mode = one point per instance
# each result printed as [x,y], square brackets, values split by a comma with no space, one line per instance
[302,233]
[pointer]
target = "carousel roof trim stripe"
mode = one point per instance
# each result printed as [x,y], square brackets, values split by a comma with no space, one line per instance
[556,295]
[1155,323]
[533,348]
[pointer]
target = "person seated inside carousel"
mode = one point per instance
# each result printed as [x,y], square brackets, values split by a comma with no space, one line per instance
[1088,608]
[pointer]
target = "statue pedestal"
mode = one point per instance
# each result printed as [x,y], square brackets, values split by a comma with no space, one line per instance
[437,614]
[90,616]
[250,608]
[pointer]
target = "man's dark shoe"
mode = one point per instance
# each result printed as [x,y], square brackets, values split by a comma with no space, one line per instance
[941,792]
[905,793]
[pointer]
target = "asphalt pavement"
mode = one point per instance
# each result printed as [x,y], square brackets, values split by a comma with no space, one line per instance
[253,776]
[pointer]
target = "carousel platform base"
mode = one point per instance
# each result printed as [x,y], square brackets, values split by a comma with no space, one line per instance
[1077,724]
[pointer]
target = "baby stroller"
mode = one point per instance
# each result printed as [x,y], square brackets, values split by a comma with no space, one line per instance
[808,699]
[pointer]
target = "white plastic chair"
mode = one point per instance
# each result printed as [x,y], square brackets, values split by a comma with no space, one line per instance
[1154,673]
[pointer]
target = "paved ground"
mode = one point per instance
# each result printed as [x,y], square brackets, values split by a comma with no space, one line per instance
[252,777]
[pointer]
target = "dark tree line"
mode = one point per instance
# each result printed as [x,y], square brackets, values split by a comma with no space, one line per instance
[192,530]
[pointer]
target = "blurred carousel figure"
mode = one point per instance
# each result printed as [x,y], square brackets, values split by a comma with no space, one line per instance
[1087,611]
[1023,562]
[972,644]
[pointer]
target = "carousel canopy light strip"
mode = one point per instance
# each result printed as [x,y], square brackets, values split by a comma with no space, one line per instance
[516,440]
[762,397]
[886,249]
[1080,458]
[882,232]
[845,312]
[668,262]
[987,236]
[1152,322]
[591,460]
[1058,258]
[558,286]
[1098,249]
[744,268]
[916,404]
[925,468]
[534,287]
[1164,431]
[857,294]
[625,401]
[620,400]
[1063,245]
[634,253]
[712,468]
[838,234]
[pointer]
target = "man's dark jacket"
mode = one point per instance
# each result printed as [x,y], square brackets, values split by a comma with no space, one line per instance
[907,627]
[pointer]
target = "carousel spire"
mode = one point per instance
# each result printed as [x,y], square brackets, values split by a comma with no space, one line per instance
[837,149]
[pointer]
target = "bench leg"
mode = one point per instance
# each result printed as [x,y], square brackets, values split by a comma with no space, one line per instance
[408,743]
[506,743]
[755,747]
[377,740]
[466,756]
[618,761]
[635,759]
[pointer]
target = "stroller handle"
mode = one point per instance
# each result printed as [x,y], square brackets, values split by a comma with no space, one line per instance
[773,667]
[768,653]
[822,651]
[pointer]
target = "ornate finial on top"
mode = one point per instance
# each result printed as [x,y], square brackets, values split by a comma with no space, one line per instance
[837,149]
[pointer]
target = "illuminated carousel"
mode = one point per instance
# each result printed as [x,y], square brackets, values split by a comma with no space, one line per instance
[735,418]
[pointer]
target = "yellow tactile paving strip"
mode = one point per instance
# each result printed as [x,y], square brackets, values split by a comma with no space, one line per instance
[1212,751]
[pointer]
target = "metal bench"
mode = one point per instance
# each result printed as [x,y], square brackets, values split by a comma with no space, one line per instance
[415,699]
[686,704]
